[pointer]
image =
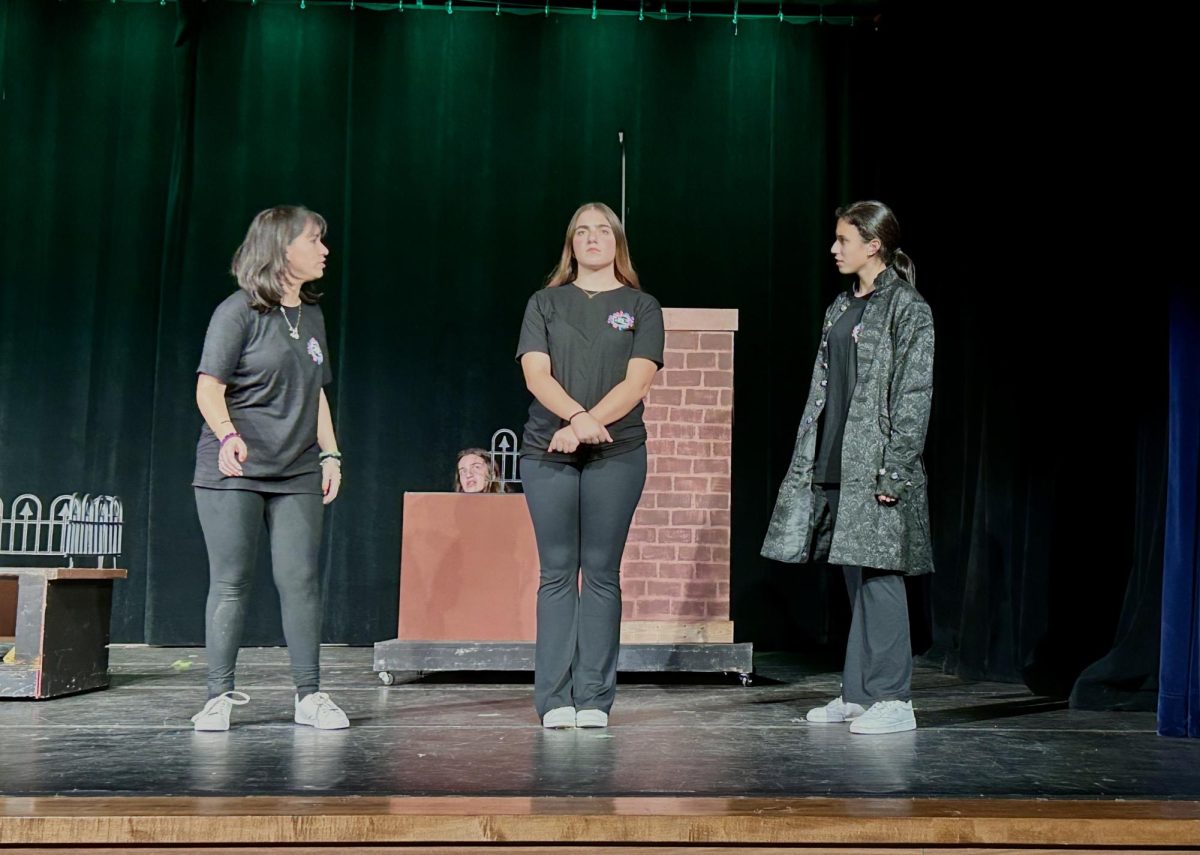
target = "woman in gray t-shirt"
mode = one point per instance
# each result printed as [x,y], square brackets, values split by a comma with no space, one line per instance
[591,342]
[267,454]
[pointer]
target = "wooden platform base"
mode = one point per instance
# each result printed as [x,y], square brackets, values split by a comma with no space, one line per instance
[426,657]
[576,825]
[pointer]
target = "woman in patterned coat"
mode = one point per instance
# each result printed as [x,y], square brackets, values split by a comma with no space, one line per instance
[854,494]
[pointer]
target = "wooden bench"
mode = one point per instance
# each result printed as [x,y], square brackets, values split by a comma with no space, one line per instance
[61,631]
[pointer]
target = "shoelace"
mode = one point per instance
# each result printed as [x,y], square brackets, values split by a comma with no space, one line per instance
[234,698]
[323,703]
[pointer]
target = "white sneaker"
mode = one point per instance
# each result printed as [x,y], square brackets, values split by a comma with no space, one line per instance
[559,717]
[215,715]
[886,717]
[591,718]
[836,711]
[318,710]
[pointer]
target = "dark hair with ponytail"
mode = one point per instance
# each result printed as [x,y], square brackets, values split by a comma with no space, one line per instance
[875,221]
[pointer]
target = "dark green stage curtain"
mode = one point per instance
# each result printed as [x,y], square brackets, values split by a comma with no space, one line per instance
[85,147]
[447,152]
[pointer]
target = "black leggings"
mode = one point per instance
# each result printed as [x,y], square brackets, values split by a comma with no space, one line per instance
[581,515]
[232,521]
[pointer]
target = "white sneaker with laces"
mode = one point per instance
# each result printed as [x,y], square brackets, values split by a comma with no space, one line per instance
[215,715]
[559,717]
[318,710]
[591,718]
[886,717]
[836,711]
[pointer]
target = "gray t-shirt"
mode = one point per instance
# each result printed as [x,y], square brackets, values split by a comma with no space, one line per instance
[842,354]
[590,341]
[272,390]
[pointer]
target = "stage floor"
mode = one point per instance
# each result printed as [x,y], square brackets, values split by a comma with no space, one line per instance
[473,735]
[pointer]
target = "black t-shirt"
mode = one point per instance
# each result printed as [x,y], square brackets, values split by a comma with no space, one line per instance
[842,355]
[590,340]
[272,390]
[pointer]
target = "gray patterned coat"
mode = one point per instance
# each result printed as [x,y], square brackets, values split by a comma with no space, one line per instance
[881,453]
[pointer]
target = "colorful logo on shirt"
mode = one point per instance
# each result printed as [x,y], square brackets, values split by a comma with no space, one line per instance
[621,321]
[314,350]
[856,332]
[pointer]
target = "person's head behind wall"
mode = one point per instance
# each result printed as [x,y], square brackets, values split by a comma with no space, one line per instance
[475,472]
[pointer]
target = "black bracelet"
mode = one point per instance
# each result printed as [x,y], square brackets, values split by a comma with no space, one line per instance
[581,412]
[330,455]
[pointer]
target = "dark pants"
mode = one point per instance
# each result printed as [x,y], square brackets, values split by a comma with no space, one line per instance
[581,515]
[232,521]
[878,650]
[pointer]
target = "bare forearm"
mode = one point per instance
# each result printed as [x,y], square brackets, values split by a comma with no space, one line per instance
[210,398]
[552,396]
[326,438]
[625,395]
[618,402]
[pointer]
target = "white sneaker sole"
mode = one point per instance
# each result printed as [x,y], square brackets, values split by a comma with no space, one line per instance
[207,729]
[316,726]
[896,727]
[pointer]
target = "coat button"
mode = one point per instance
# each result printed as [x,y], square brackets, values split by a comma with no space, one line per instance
[820,401]
[882,471]
[824,382]
[895,476]
[807,419]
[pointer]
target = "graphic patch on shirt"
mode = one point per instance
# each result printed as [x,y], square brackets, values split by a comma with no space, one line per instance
[854,333]
[314,350]
[620,321]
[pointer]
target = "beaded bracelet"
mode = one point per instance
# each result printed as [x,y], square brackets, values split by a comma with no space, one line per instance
[229,436]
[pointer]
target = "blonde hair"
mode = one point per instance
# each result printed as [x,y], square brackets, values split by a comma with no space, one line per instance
[260,263]
[568,268]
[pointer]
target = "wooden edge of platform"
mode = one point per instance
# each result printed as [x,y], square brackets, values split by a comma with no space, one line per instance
[55,574]
[871,822]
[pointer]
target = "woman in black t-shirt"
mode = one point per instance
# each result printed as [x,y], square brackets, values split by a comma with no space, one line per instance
[590,345]
[267,453]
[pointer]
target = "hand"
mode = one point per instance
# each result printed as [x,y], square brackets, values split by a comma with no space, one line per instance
[331,479]
[231,457]
[887,501]
[564,440]
[588,430]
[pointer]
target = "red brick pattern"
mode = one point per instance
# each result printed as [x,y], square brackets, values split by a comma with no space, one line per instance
[676,563]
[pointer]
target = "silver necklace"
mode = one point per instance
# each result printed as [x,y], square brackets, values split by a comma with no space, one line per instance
[293,331]
[591,295]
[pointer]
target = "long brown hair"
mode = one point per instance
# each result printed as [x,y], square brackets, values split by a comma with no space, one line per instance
[568,268]
[260,263]
[875,221]
[494,484]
